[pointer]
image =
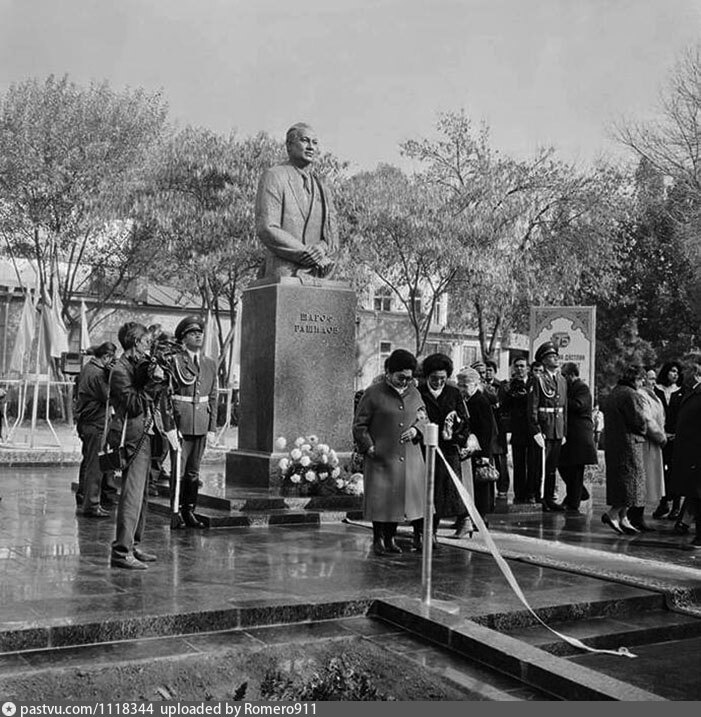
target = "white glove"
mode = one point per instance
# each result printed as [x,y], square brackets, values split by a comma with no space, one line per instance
[173,438]
[539,438]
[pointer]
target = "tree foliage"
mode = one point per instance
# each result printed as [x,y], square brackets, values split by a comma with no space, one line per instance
[69,158]
[528,231]
[197,205]
[397,233]
[665,272]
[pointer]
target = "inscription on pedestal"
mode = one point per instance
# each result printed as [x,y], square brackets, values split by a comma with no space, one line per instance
[316,324]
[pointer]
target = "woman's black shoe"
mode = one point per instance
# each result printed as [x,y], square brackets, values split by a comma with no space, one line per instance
[643,527]
[661,510]
[378,548]
[391,546]
[673,514]
[417,543]
[681,528]
[606,520]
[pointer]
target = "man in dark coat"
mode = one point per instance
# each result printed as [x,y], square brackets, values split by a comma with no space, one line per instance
[686,476]
[195,409]
[579,450]
[96,490]
[513,400]
[547,417]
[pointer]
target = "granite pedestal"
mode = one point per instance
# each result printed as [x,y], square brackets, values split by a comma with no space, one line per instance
[297,373]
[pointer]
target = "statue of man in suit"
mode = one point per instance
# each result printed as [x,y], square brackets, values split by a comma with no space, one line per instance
[295,216]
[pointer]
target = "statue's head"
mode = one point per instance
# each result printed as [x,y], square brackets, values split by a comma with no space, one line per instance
[302,145]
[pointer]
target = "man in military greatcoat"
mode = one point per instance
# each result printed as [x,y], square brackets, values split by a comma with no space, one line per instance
[195,410]
[547,417]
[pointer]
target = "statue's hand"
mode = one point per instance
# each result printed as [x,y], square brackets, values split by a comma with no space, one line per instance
[313,256]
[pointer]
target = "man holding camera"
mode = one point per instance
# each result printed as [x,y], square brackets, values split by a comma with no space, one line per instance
[195,410]
[135,382]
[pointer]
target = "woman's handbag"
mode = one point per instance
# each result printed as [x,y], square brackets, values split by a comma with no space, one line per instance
[485,473]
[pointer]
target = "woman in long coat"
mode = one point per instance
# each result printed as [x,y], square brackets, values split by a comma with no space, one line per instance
[625,436]
[687,452]
[579,449]
[446,408]
[670,391]
[484,428]
[655,440]
[388,428]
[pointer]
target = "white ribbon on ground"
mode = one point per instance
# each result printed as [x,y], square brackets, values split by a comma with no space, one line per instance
[506,570]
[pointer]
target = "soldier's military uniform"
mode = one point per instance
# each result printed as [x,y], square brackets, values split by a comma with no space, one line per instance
[547,414]
[195,412]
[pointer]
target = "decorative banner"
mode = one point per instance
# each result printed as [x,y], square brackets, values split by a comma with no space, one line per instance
[24,337]
[572,329]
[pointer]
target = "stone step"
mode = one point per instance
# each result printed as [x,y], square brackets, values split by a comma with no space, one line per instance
[636,604]
[231,616]
[258,518]
[541,670]
[607,632]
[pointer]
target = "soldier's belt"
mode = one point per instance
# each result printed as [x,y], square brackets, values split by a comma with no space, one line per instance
[191,399]
[557,409]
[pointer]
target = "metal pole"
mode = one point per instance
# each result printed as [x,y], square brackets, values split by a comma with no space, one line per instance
[4,335]
[430,441]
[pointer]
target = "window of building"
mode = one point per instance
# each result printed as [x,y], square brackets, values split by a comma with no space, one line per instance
[382,301]
[431,347]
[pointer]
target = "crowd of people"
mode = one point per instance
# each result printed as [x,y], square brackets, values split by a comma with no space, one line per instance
[545,412]
[157,399]
[652,449]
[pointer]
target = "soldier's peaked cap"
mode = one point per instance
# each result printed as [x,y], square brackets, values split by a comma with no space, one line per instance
[188,324]
[544,349]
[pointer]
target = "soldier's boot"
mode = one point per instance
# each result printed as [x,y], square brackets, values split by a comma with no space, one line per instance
[187,505]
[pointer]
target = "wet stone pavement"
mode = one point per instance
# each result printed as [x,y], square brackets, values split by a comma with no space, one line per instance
[57,588]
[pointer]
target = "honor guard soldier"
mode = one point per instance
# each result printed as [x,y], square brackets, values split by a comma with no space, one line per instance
[195,410]
[547,417]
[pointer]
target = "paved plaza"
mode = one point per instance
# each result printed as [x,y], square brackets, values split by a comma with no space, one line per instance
[57,590]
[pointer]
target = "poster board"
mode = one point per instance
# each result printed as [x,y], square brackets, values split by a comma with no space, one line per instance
[572,329]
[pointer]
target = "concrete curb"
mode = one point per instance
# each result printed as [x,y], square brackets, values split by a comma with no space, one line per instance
[531,665]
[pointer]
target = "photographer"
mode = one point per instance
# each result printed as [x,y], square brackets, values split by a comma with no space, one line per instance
[195,410]
[96,490]
[135,383]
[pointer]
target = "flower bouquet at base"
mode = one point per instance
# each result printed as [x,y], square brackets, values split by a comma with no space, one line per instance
[313,468]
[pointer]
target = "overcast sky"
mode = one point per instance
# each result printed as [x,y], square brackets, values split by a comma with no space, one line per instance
[368,74]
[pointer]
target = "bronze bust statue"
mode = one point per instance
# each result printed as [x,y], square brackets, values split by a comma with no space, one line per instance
[295,216]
